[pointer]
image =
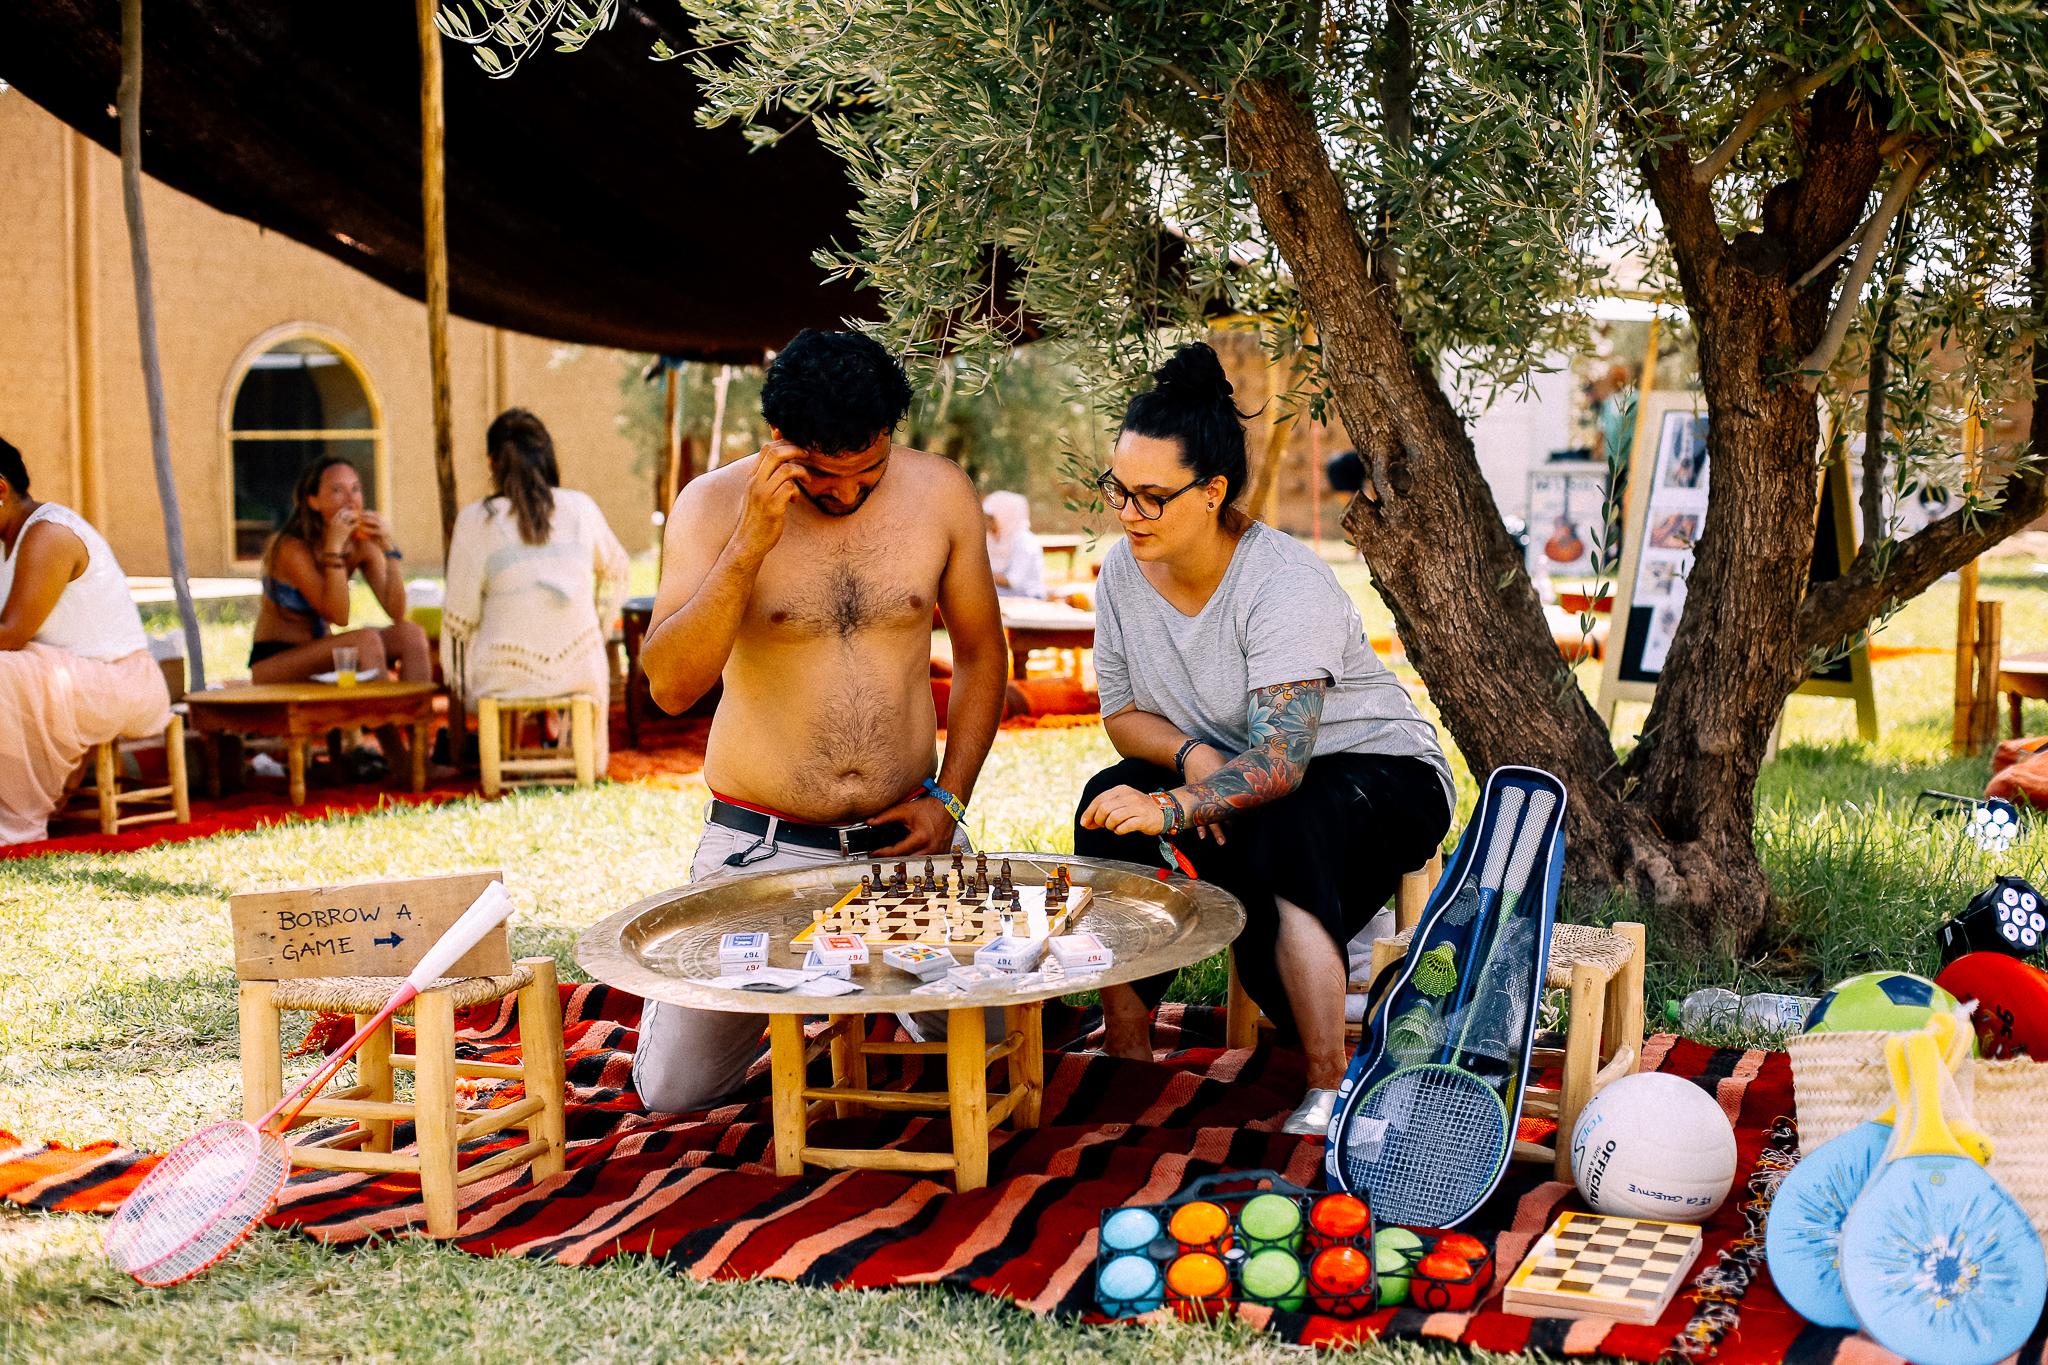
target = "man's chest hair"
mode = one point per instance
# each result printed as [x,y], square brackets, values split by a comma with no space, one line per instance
[843,585]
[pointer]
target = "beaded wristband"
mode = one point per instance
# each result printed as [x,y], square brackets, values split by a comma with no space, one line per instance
[1176,816]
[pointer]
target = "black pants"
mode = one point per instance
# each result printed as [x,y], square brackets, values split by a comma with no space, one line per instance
[1337,846]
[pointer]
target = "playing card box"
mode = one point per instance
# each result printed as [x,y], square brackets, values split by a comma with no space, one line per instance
[743,951]
[921,962]
[840,950]
[1081,952]
[1011,953]
[969,975]
[816,961]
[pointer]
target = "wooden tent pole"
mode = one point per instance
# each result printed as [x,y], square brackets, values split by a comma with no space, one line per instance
[130,98]
[1962,738]
[434,213]
[715,457]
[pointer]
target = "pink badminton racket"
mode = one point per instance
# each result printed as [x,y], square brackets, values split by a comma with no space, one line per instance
[208,1192]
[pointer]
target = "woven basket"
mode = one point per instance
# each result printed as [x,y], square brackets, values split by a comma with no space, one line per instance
[1839,1080]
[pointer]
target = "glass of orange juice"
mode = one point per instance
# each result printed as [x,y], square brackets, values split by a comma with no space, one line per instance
[345,666]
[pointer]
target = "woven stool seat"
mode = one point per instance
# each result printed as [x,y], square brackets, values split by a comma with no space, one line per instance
[368,994]
[1571,945]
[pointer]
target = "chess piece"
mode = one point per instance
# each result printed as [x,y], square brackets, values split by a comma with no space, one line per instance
[1052,888]
[1003,882]
[901,884]
[1066,884]
[959,871]
[867,888]
[931,876]
[875,869]
[980,873]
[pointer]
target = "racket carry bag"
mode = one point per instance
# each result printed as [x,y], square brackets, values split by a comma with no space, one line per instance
[1425,1118]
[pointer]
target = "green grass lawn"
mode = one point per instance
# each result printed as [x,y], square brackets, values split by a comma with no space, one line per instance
[117,1019]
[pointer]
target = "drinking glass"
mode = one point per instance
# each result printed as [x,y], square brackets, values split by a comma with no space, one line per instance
[345,666]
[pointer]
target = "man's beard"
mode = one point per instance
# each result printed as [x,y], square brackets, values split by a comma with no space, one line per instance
[832,510]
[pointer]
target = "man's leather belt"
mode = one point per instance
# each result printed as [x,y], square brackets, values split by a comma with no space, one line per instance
[848,841]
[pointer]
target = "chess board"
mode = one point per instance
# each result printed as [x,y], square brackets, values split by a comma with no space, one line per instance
[939,918]
[1593,1265]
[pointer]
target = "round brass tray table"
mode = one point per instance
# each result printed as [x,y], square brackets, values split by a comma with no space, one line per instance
[655,946]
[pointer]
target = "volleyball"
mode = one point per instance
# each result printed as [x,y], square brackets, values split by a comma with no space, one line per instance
[1654,1146]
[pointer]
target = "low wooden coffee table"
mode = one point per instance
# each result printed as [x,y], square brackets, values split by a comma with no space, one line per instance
[1044,625]
[662,947]
[2022,677]
[299,713]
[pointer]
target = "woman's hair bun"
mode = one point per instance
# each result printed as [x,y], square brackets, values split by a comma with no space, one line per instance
[1193,374]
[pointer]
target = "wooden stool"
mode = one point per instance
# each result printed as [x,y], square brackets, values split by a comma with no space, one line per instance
[173,797]
[439,1127]
[1242,1018]
[1603,968]
[505,759]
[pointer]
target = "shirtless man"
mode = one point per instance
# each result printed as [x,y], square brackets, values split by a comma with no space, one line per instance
[805,577]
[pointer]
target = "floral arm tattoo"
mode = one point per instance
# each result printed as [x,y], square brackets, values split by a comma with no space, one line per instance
[1282,724]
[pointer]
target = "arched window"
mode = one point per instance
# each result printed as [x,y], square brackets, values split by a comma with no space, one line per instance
[297,400]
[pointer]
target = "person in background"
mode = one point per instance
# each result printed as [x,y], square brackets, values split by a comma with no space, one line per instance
[1013,552]
[534,573]
[75,668]
[1259,733]
[326,540]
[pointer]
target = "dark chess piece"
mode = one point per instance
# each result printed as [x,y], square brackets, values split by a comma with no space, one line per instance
[875,870]
[1003,882]
[980,873]
[902,879]
[931,875]
[1066,884]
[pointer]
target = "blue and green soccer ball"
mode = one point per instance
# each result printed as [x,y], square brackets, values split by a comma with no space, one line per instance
[1879,1002]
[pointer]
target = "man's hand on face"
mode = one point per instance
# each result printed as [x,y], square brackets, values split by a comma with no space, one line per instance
[771,488]
[927,828]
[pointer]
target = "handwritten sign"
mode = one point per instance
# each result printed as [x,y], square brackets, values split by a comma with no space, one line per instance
[363,929]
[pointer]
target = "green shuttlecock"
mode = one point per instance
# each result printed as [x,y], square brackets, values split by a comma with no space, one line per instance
[1437,973]
[1415,1036]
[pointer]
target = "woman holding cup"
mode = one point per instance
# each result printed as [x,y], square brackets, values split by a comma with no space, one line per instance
[301,625]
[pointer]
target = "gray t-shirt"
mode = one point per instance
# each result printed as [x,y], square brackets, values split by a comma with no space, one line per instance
[1278,616]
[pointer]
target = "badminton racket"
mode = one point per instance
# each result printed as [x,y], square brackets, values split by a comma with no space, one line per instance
[207,1194]
[1426,1143]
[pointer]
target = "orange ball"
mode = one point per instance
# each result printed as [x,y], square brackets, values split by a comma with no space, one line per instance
[1198,1285]
[1336,1274]
[1462,1245]
[1200,1225]
[1443,1265]
[1340,1215]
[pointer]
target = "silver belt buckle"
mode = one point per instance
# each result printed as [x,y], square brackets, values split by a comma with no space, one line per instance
[846,849]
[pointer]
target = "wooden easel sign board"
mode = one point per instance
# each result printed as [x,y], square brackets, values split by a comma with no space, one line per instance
[1667,510]
[362,929]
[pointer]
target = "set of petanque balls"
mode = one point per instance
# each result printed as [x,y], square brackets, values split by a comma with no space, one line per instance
[1650,1145]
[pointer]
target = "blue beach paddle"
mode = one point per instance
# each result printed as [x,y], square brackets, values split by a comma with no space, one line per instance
[1938,1260]
[1803,1238]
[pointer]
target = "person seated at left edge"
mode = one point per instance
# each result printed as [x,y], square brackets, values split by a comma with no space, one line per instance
[804,577]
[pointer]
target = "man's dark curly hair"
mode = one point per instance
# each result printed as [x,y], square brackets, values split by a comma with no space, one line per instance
[834,392]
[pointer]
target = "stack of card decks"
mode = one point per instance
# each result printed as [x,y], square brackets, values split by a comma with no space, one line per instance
[1011,953]
[1081,952]
[971,974]
[921,962]
[745,952]
[837,955]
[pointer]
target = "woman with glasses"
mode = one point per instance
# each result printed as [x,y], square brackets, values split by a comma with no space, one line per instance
[1260,736]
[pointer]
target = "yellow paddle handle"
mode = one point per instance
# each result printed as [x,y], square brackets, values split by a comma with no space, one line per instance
[1955,1045]
[1916,1070]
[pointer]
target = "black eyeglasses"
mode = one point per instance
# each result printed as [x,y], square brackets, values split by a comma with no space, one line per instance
[1151,506]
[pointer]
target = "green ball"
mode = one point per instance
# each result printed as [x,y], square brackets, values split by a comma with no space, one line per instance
[1274,1277]
[1271,1220]
[1393,1262]
[1879,1002]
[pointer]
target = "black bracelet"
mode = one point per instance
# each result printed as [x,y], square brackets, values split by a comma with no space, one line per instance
[1180,760]
[394,553]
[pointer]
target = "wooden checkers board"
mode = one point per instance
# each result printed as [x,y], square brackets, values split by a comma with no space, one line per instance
[1595,1265]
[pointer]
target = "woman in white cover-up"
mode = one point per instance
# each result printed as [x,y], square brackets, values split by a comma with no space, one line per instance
[534,572]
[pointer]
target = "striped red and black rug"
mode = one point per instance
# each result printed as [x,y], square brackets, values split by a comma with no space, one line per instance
[699,1190]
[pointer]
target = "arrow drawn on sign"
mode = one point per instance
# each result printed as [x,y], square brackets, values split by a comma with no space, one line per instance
[392,942]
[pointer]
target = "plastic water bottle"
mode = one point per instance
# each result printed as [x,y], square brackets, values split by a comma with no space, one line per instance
[1716,1009]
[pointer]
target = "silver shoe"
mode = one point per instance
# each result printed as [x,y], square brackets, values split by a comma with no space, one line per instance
[1312,1117]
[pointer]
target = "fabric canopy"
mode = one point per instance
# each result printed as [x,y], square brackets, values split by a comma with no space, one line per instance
[584,203]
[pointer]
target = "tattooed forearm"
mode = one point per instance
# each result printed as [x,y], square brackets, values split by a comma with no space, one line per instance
[1283,724]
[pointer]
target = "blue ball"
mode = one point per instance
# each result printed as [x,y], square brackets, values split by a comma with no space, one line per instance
[1129,1229]
[1128,1285]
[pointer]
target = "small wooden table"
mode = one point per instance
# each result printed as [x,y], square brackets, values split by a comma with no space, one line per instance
[1057,543]
[2022,676]
[1044,625]
[664,947]
[299,713]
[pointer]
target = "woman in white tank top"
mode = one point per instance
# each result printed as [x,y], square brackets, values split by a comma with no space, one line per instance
[75,669]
